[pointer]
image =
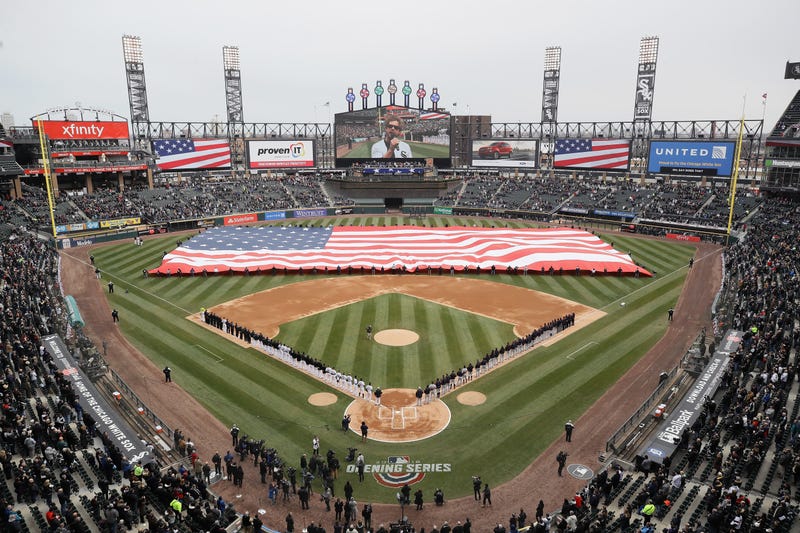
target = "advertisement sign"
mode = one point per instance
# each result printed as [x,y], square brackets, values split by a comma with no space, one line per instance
[301,213]
[505,153]
[86,170]
[77,226]
[109,421]
[275,215]
[683,237]
[645,87]
[695,158]
[120,222]
[665,440]
[61,129]
[611,213]
[392,132]
[442,210]
[550,95]
[233,220]
[782,163]
[280,154]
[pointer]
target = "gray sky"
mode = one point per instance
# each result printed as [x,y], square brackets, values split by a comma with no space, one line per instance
[485,55]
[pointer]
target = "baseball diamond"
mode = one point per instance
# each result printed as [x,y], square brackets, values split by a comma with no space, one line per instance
[527,399]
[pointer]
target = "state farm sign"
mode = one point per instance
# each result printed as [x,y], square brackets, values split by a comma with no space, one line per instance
[57,129]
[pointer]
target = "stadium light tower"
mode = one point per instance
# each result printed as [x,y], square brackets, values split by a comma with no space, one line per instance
[643,102]
[646,79]
[552,75]
[233,103]
[137,89]
[550,85]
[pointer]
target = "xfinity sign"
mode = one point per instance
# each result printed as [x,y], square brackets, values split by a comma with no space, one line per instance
[280,154]
[63,130]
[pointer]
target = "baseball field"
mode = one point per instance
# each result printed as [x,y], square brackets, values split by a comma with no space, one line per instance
[512,413]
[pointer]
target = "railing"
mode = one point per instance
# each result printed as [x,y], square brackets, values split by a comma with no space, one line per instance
[146,411]
[636,417]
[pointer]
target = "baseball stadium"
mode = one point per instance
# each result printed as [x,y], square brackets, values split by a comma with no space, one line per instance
[404,320]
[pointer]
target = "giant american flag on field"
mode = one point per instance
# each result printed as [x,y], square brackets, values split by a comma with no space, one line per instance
[234,248]
[610,154]
[176,154]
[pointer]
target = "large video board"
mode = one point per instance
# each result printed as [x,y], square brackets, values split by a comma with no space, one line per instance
[593,154]
[505,153]
[85,130]
[392,132]
[293,153]
[192,154]
[694,158]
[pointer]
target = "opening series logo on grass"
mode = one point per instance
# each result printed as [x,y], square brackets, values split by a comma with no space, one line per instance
[399,470]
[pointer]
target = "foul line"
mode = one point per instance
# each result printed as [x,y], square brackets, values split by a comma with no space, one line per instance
[219,359]
[581,348]
[659,280]
[124,284]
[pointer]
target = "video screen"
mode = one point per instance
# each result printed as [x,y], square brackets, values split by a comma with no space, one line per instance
[505,153]
[192,154]
[593,154]
[392,132]
[695,158]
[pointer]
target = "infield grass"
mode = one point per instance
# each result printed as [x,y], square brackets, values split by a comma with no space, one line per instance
[449,338]
[528,400]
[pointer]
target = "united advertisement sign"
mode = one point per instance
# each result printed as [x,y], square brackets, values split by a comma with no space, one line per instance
[694,158]
[85,130]
[280,154]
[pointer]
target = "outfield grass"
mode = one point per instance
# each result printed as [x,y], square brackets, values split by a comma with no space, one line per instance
[527,400]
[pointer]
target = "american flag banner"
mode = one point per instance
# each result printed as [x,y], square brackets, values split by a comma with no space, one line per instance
[432,115]
[177,154]
[410,248]
[612,154]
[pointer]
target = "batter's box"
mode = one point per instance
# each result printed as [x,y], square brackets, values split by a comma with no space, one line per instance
[410,413]
[385,413]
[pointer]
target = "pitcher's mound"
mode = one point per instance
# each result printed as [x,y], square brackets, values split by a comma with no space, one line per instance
[398,418]
[396,337]
[321,399]
[471,398]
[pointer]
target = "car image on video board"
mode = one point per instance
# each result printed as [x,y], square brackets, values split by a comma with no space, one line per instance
[496,150]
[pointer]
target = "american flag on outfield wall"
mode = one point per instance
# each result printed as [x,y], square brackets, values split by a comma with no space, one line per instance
[592,153]
[175,154]
[234,248]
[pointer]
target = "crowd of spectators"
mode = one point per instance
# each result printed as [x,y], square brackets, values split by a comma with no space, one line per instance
[198,197]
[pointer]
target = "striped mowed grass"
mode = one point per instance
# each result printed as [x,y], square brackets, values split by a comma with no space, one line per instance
[527,400]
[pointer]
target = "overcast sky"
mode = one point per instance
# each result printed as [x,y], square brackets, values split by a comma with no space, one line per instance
[485,55]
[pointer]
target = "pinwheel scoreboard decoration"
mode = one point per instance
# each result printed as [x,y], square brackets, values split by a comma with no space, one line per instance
[364,96]
[421,92]
[392,90]
[435,99]
[378,92]
[350,97]
[406,90]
